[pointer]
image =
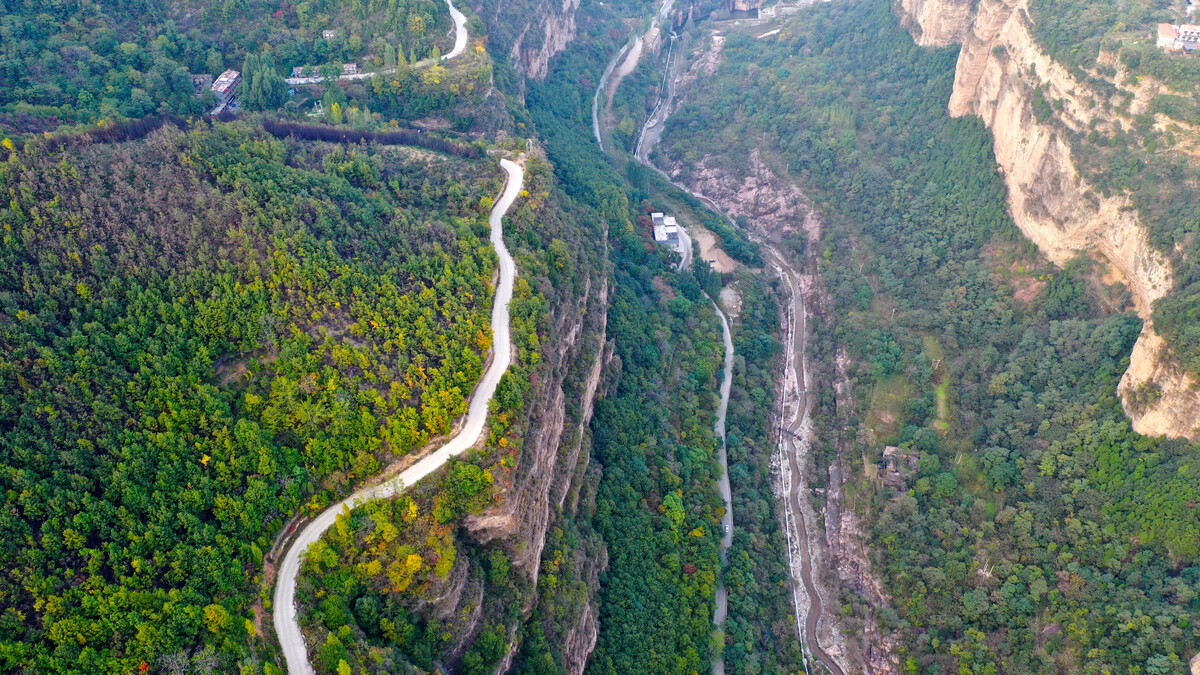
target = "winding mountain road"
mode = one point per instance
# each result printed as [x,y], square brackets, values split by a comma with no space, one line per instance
[628,58]
[795,388]
[460,32]
[460,44]
[795,379]
[722,596]
[287,627]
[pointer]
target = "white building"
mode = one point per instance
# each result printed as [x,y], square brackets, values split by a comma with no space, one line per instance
[665,228]
[1184,37]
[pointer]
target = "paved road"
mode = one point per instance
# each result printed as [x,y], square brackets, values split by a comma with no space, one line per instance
[722,596]
[656,123]
[635,43]
[460,44]
[291,639]
[460,32]
[603,87]
[684,248]
[796,337]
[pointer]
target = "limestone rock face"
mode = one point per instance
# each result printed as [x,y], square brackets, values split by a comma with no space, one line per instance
[556,27]
[998,70]
[935,23]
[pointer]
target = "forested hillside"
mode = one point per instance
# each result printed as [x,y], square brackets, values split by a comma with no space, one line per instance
[1036,532]
[204,333]
[215,329]
[84,60]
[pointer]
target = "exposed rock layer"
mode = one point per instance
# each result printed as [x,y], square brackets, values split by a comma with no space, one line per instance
[936,23]
[544,28]
[999,68]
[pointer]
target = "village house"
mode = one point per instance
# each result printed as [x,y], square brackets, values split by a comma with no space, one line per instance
[1182,38]
[226,84]
[666,231]
[304,71]
[224,88]
[899,466]
[329,34]
[350,69]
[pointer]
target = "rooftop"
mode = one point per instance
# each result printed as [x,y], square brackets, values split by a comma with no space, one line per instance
[226,82]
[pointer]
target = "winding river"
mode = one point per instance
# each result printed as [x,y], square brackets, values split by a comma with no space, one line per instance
[287,626]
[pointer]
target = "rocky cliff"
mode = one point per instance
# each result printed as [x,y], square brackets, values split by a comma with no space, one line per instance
[550,448]
[936,23]
[532,34]
[999,71]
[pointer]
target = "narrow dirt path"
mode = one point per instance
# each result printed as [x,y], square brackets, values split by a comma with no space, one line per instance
[287,626]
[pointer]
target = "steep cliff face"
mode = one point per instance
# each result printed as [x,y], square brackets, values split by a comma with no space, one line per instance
[530,34]
[999,71]
[545,36]
[550,463]
[551,468]
[935,23]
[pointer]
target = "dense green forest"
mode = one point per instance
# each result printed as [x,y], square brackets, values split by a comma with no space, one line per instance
[210,328]
[83,60]
[454,90]
[1036,532]
[204,333]
[320,311]
[760,629]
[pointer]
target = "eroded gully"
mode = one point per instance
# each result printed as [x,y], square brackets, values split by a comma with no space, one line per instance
[794,400]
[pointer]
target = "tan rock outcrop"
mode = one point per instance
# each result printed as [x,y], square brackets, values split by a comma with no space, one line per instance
[556,27]
[998,70]
[935,23]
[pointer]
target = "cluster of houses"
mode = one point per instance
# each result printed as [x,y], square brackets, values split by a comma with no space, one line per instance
[1184,37]
[224,88]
